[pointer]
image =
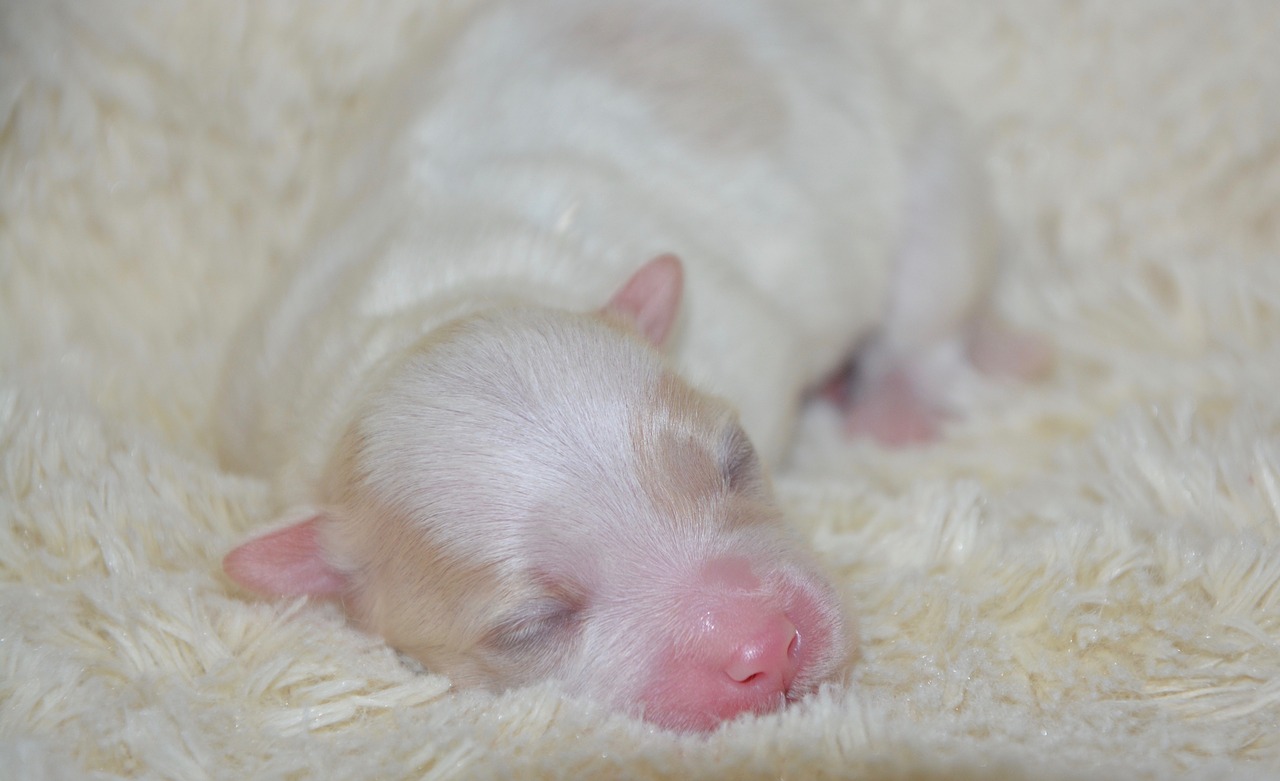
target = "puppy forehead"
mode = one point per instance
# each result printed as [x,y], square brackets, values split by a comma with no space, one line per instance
[501,414]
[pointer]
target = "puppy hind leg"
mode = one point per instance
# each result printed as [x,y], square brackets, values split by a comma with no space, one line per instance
[935,329]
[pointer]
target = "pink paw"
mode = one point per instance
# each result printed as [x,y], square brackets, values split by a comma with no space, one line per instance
[892,413]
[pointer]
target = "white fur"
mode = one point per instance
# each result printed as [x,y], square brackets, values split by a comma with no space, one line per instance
[542,158]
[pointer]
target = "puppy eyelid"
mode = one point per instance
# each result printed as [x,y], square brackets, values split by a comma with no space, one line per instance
[531,623]
[738,460]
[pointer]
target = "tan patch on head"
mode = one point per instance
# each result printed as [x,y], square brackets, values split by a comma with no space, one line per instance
[430,605]
[700,82]
[684,442]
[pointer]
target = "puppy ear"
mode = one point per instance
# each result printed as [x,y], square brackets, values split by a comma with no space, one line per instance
[287,561]
[650,300]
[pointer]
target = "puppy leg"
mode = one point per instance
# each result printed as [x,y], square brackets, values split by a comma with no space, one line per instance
[937,325]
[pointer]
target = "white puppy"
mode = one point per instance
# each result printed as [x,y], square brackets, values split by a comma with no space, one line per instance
[458,391]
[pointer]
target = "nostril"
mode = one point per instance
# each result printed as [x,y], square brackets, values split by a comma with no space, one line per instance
[744,669]
[768,657]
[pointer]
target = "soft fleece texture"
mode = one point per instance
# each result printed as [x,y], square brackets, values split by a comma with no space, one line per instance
[1081,581]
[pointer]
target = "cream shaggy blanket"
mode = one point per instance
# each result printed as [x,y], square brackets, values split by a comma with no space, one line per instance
[1081,581]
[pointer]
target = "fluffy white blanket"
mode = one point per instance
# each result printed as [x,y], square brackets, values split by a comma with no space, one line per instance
[1081,581]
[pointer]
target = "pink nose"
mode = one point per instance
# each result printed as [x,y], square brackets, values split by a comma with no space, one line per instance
[766,659]
[749,658]
[743,656]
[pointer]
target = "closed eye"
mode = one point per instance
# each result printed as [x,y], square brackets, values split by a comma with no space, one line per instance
[535,624]
[739,464]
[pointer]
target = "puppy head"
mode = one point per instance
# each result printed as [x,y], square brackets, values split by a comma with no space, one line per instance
[534,494]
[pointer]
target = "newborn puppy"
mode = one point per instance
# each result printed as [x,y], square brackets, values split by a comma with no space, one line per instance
[459,391]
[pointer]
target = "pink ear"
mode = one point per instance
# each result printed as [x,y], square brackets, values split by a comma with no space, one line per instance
[650,300]
[286,562]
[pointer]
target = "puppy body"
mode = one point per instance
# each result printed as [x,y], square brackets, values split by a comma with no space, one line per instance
[509,485]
